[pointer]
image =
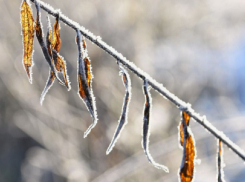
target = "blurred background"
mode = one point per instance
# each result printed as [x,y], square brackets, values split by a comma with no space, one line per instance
[195,48]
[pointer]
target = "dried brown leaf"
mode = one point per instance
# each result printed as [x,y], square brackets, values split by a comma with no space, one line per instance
[186,118]
[27,23]
[84,44]
[38,28]
[220,175]
[186,172]
[87,64]
[80,85]
[39,35]
[56,40]
[59,61]
[60,65]
[84,81]
[88,71]
[47,53]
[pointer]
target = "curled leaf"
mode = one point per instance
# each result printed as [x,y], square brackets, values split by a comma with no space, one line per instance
[123,119]
[54,48]
[186,171]
[186,117]
[39,35]
[61,70]
[88,71]
[146,127]
[220,176]
[88,68]
[27,23]
[60,65]
[84,82]
[56,41]
[46,51]
[56,62]
[84,44]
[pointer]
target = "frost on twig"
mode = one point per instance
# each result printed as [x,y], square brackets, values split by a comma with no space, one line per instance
[141,74]
[58,70]
[124,116]
[146,127]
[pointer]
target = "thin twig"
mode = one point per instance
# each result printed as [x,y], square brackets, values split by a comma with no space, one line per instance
[183,106]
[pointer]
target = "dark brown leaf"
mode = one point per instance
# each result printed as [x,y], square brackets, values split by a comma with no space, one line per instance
[27,23]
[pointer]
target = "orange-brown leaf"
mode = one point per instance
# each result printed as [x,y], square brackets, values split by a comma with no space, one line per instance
[187,168]
[220,175]
[38,28]
[87,64]
[61,67]
[49,36]
[54,48]
[56,41]
[186,118]
[81,89]
[220,148]
[27,23]
[84,44]
[88,71]
[186,172]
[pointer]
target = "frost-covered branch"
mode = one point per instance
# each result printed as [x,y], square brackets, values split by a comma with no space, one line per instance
[183,106]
